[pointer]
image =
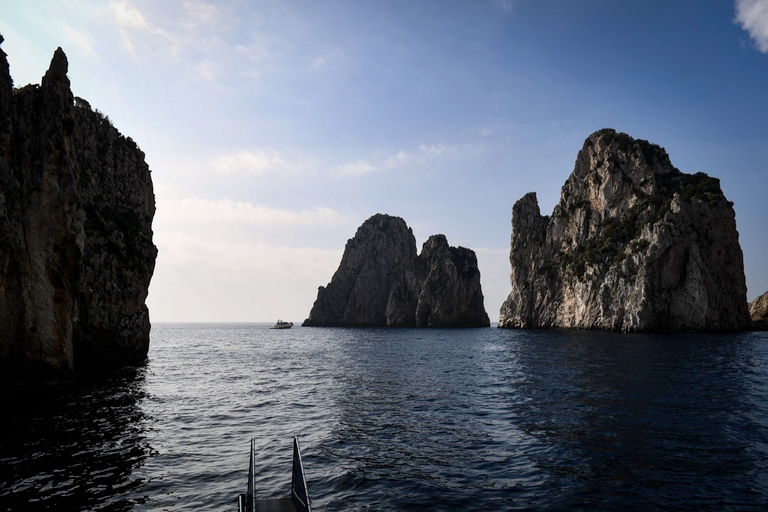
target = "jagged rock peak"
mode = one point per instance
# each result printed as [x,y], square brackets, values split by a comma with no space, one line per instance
[57,71]
[758,312]
[76,210]
[373,260]
[634,244]
[440,288]
[381,281]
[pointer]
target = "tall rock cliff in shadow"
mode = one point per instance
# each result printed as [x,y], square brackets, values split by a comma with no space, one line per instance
[76,251]
[440,288]
[381,281]
[633,245]
[373,260]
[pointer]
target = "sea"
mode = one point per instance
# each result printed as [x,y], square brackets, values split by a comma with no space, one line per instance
[401,419]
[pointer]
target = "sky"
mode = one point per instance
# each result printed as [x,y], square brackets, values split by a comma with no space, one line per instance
[273,129]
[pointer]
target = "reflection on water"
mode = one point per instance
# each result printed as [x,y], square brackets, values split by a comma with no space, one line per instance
[75,447]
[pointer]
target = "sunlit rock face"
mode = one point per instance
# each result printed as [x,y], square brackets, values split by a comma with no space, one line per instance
[758,312]
[633,245]
[440,288]
[76,251]
[381,281]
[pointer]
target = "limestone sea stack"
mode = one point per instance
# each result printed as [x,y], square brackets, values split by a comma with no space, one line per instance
[440,288]
[381,281]
[758,311]
[374,259]
[76,251]
[633,245]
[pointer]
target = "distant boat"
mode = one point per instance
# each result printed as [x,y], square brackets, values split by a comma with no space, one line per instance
[299,500]
[282,325]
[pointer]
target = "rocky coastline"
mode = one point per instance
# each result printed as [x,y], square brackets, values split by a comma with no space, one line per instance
[76,210]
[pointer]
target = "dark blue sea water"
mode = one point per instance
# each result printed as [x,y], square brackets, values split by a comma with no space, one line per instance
[402,419]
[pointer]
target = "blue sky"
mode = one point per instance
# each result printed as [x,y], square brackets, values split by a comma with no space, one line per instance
[275,128]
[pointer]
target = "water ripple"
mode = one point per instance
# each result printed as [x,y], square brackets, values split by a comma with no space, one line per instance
[402,419]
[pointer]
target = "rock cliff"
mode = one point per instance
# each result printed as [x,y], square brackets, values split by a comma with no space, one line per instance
[633,245]
[373,260]
[381,281]
[76,251]
[440,288]
[758,311]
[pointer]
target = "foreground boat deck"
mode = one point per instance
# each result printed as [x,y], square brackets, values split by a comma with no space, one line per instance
[299,500]
[275,505]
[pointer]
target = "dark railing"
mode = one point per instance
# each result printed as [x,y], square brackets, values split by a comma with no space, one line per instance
[298,482]
[299,495]
[247,502]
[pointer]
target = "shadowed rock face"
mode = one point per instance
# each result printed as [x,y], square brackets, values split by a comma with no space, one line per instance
[758,311]
[440,288]
[381,281]
[76,251]
[373,260]
[633,245]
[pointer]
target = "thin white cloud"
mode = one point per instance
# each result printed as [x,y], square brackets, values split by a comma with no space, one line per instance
[752,16]
[188,248]
[208,69]
[399,159]
[227,45]
[422,155]
[485,132]
[356,168]
[438,150]
[202,13]
[80,39]
[132,25]
[231,215]
[259,161]
[126,15]
[330,57]
[505,5]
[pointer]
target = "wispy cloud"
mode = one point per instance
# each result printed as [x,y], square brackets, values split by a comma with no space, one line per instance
[259,161]
[205,39]
[132,24]
[230,215]
[201,13]
[505,5]
[334,55]
[421,155]
[356,168]
[752,15]
[80,39]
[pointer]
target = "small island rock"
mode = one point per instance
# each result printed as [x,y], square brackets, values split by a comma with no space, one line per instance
[373,260]
[633,245]
[381,281]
